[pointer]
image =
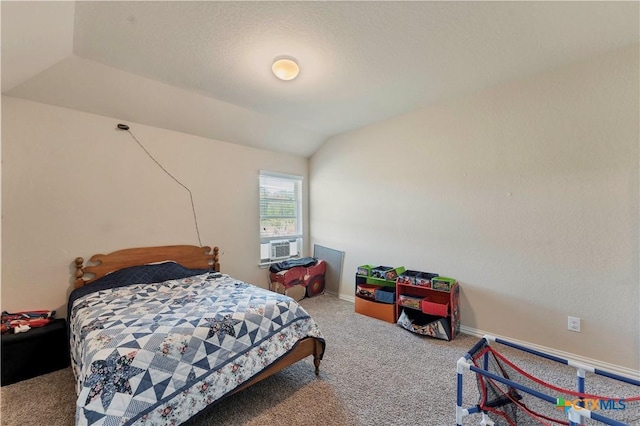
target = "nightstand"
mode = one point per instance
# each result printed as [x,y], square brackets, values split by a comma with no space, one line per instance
[33,353]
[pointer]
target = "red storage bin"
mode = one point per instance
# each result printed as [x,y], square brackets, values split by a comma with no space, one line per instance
[367,291]
[434,308]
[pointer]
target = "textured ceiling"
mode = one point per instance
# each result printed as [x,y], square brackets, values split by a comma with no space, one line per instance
[204,67]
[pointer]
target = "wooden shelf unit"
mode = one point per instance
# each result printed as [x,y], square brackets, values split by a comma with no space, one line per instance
[385,311]
[433,304]
[433,312]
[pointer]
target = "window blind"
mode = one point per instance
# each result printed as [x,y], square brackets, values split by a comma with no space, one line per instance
[280,206]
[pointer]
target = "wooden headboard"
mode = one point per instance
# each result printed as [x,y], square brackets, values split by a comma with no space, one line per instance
[193,257]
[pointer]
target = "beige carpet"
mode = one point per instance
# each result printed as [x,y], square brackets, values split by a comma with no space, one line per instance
[50,400]
[373,373]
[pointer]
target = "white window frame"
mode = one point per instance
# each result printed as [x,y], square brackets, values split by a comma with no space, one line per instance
[295,236]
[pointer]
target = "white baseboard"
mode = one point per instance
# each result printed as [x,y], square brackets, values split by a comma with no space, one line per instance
[612,368]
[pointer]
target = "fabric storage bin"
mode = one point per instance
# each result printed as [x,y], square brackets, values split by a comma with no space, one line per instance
[386,295]
[381,272]
[385,275]
[412,302]
[391,275]
[442,283]
[382,311]
[425,325]
[434,308]
[407,277]
[364,270]
[424,279]
[366,290]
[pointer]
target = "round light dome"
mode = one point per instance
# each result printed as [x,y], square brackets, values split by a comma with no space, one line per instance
[285,69]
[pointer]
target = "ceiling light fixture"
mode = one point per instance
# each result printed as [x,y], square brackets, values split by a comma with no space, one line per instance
[285,68]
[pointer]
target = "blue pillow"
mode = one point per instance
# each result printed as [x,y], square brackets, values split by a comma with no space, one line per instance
[146,274]
[143,274]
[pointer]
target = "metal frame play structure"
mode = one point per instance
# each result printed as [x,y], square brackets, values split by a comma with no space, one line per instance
[477,361]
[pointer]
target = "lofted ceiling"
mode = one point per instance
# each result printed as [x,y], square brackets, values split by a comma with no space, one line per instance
[203,67]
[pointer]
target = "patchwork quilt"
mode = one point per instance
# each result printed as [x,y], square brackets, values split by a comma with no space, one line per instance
[150,354]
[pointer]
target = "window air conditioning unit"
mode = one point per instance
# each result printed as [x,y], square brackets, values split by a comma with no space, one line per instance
[282,249]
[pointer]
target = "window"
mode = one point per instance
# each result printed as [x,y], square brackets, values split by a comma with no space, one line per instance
[280,216]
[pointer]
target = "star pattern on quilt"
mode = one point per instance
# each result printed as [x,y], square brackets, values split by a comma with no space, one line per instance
[202,325]
[97,324]
[222,327]
[185,300]
[110,376]
[79,306]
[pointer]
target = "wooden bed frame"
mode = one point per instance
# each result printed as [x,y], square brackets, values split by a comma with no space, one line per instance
[194,257]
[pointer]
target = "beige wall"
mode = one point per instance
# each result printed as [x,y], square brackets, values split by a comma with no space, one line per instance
[73,185]
[526,193]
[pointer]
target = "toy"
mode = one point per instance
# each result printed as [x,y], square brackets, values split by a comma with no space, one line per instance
[20,322]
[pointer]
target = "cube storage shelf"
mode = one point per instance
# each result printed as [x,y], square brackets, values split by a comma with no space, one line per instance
[429,312]
[421,302]
[376,291]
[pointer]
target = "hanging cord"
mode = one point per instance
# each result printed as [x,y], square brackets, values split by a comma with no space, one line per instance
[193,208]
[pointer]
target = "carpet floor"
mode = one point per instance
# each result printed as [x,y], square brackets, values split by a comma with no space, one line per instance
[373,373]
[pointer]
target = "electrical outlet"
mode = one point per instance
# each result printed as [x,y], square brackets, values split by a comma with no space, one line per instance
[573,324]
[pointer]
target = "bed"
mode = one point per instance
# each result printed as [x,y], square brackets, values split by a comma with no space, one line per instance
[157,334]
